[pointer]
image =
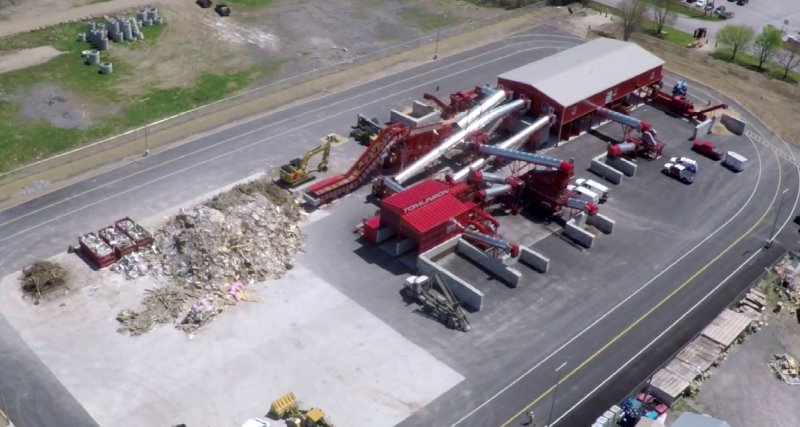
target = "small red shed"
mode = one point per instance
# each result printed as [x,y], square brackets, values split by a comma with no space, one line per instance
[435,222]
[574,82]
[399,204]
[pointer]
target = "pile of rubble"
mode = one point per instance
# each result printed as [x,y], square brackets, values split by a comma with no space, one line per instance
[41,278]
[211,253]
[788,283]
[786,368]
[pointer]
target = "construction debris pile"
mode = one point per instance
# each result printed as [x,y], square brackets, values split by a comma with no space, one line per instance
[211,253]
[788,283]
[786,368]
[41,278]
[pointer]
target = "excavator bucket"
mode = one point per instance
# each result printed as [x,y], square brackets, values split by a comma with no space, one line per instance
[283,405]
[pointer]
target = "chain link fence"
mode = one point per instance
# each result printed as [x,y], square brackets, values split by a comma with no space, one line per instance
[138,134]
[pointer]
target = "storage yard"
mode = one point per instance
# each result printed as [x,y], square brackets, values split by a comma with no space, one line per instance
[543,203]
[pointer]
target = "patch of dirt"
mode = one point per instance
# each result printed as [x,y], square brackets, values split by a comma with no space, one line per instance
[194,42]
[60,108]
[25,58]
[27,9]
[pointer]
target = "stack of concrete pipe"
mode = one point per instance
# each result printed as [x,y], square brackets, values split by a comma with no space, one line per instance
[149,16]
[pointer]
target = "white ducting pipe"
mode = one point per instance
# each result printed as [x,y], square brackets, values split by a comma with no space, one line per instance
[457,138]
[487,104]
[510,143]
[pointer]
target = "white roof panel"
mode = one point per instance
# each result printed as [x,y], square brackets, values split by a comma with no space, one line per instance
[585,70]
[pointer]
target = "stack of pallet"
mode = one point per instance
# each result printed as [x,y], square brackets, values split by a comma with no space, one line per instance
[753,304]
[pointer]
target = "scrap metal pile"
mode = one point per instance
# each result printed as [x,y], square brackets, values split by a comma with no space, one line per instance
[786,368]
[211,253]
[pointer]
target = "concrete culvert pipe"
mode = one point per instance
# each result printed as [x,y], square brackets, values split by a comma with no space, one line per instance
[85,54]
[147,22]
[141,15]
[94,57]
[81,37]
[158,20]
[106,68]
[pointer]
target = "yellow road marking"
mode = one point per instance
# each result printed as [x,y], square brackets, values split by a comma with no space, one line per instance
[644,316]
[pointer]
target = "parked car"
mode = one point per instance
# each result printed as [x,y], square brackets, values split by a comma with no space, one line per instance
[688,163]
[679,172]
[708,149]
[700,4]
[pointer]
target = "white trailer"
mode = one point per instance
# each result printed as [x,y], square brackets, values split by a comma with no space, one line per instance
[734,161]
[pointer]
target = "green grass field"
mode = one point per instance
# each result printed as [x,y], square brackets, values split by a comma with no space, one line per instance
[670,34]
[425,20]
[24,140]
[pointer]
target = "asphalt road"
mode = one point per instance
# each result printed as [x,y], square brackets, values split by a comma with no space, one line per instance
[48,224]
[148,186]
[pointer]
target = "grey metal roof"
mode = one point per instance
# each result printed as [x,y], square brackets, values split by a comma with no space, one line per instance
[690,419]
[590,68]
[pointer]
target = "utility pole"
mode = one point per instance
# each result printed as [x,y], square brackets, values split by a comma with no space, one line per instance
[555,392]
[146,121]
[438,31]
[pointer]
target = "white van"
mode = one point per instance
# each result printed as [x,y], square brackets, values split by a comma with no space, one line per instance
[593,186]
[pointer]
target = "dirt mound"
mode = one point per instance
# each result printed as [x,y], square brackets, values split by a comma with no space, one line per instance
[41,278]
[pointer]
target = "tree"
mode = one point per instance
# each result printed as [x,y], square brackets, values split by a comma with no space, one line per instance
[632,15]
[766,44]
[663,12]
[737,37]
[789,58]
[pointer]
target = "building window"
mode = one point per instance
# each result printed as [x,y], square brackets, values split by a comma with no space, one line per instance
[573,110]
[545,107]
[652,74]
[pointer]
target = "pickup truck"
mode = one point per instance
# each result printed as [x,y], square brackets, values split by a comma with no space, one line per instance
[708,149]
[679,172]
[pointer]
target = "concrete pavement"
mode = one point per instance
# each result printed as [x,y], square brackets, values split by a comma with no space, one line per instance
[140,189]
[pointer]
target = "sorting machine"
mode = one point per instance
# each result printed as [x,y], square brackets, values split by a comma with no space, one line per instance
[678,104]
[640,138]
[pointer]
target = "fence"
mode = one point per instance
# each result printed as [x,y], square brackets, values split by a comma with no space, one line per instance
[137,134]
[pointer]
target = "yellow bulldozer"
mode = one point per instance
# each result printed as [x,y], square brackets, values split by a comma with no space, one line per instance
[287,408]
[296,171]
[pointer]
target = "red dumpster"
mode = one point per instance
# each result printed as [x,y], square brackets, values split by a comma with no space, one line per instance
[135,231]
[122,244]
[100,252]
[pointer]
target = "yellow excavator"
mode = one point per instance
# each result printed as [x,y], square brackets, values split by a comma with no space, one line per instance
[296,171]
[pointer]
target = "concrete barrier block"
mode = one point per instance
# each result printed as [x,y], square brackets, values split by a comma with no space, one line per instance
[465,293]
[606,172]
[602,223]
[579,235]
[703,128]
[733,124]
[505,273]
[622,164]
[534,260]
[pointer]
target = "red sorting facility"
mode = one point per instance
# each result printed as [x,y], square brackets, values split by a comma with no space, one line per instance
[427,214]
[574,82]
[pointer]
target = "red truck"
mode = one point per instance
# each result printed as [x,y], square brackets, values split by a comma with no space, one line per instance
[708,149]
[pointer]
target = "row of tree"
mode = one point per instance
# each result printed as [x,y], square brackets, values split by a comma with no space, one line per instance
[766,45]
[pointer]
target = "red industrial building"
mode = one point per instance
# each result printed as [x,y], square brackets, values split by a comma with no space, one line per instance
[574,82]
